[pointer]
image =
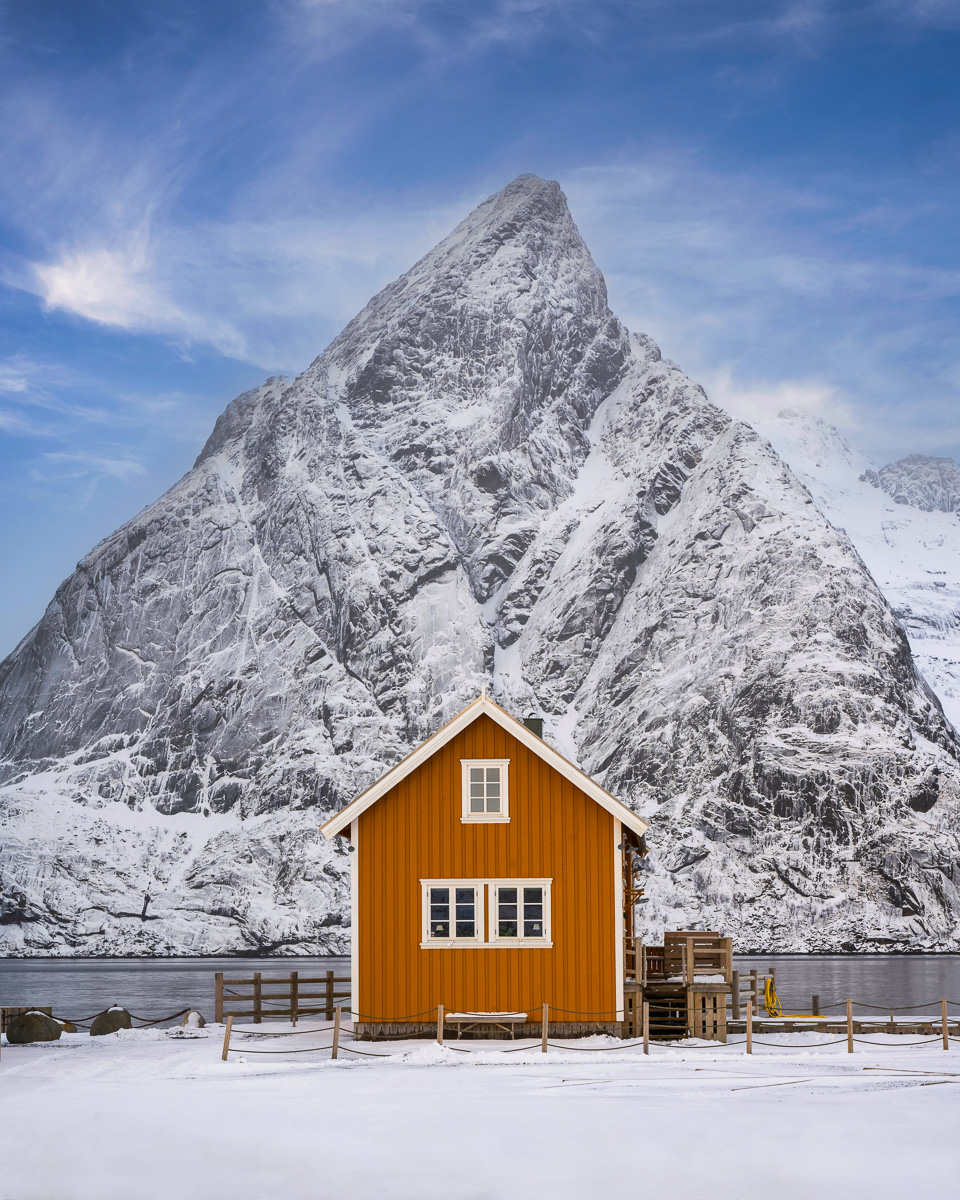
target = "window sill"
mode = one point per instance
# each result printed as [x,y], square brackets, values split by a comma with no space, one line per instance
[482,820]
[463,944]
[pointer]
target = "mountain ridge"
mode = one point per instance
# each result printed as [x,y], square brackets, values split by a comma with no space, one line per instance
[484,480]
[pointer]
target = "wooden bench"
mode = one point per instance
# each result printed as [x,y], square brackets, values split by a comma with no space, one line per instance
[471,1022]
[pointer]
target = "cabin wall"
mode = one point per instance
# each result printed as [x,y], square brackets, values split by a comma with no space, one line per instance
[415,832]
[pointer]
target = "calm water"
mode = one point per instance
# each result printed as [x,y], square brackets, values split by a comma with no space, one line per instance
[151,987]
[156,987]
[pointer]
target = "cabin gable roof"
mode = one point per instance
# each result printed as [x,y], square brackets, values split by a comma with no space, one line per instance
[482,705]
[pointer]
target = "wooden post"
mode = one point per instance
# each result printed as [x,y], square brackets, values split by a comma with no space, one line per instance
[646,1027]
[689,961]
[944,1027]
[543,1028]
[336,1032]
[727,958]
[735,997]
[218,999]
[294,995]
[328,1013]
[257,998]
[753,989]
[439,1024]
[749,1026]
[849,1026]
[226,1038]
[815,1006]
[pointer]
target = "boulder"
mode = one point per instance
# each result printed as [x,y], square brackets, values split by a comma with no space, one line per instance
[33,1027]
[193,1020]
[110,1021]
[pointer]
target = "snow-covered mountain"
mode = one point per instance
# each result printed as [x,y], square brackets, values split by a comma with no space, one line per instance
[904,520]
[484,478]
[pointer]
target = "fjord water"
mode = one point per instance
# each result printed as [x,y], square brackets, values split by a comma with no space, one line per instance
[156,987]
[147,987]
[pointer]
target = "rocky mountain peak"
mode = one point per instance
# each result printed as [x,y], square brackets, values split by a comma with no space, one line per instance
[921,481]
[483,479]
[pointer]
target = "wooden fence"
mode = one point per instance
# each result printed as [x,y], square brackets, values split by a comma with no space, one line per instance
[280,996]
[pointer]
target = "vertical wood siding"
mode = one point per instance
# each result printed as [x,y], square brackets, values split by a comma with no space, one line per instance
[555,832]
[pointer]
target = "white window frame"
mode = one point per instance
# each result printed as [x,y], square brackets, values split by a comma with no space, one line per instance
[494,917]
[431,943]
[485,908]
[485,818]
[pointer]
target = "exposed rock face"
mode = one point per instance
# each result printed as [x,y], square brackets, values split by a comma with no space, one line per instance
[913,553]
[482,479]
[931,484]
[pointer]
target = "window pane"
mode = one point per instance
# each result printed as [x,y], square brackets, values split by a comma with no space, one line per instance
[476,789]
[493,789]
[439,912]
[508,912]
[493,776]
[476,774]
[439,895]
[507,895]
[508,928]
[533,912]
[465,895]
[465,929]
[476,804]
[464,912]
[533,929]
[493,804]
[440,929]
[532,895]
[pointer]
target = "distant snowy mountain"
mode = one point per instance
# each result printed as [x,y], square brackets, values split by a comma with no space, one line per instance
[483,479]
[904,520]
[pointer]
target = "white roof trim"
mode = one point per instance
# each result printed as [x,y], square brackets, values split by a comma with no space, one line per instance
[483,704]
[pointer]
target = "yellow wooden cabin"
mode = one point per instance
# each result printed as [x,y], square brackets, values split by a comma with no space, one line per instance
[490,876]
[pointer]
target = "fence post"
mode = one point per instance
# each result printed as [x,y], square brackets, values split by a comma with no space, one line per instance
[294,995]
[257,998]
[749,1026]
[328,1012]
[690,962]
[646,1026]
[226,1038]
[849,1026]
[336,1032]
[543,1028]
[735,996]
[218,999]
[753,989]
[439,1024]
[815,1006]
[944,1027]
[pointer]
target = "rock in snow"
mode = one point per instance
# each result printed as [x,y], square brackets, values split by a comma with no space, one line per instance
[483,479]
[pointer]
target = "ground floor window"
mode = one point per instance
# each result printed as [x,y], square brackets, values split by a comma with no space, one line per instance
[517,910]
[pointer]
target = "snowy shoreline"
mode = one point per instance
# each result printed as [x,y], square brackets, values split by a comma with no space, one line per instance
[157,1114]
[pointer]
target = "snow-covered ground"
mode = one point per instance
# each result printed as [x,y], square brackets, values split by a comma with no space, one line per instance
[151,1115]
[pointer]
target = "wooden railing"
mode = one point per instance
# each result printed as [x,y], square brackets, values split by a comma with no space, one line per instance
[290,996]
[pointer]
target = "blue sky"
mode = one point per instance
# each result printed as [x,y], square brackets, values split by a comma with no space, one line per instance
[194,196]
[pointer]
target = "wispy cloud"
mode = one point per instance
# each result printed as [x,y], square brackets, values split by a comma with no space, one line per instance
[61,465]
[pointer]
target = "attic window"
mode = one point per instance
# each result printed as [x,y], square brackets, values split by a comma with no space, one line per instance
[485,794]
